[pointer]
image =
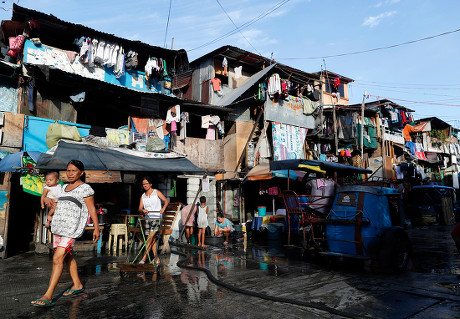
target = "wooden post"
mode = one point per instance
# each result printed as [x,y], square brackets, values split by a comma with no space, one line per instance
[336,140]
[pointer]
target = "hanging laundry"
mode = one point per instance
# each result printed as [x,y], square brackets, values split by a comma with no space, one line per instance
[274,85]
[94,45]
[211,132]
[205,185]
[205,121]
[119,67]
[336,84]
[225,65]
[131,60]
[173,114]
[261,91]
[99,56]
[151,68]
[167,141]
[216,84]
[173,190]
[238,72]
[184,119]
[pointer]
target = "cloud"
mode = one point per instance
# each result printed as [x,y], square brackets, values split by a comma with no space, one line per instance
[375,20]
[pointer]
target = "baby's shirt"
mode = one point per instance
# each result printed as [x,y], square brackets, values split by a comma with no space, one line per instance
[54,191]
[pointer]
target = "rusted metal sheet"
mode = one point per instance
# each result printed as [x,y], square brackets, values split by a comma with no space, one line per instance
[206,154]
[181,80]
[205,92]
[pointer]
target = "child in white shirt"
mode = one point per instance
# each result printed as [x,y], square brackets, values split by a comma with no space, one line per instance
[51,190]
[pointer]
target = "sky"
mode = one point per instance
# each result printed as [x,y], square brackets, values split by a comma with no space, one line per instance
[309,35]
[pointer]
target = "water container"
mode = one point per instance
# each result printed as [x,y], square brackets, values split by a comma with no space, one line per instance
[274,231]
[262,210]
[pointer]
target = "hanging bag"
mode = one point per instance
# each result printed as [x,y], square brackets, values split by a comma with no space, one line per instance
[57,131]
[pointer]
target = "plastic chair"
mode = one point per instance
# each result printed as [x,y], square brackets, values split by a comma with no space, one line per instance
[115,231]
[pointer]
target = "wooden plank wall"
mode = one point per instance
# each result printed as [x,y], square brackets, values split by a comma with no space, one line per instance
[206,154]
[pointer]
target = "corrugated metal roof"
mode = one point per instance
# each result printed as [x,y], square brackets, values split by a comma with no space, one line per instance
[60,34]
[181,80]
[253,62]
[230,97]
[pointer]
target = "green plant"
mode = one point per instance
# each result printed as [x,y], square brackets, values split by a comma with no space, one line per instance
[439,134]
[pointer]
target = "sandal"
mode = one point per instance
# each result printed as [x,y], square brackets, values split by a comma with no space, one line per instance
[72,292]
[43,303]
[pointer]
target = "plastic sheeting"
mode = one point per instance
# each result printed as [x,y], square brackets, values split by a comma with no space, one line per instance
[112,159]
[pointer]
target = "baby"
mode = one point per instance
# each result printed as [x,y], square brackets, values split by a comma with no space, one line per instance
[51,190]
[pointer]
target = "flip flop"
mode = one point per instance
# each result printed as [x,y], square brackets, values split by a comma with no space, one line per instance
[73,292]
[46,304]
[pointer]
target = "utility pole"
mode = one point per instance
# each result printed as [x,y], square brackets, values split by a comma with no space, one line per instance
[362,130]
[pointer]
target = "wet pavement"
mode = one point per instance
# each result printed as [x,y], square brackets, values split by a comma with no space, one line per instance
[265,280]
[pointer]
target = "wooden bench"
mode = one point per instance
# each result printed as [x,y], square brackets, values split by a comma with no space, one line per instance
[169,218]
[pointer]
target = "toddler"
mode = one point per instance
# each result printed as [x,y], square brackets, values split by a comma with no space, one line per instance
[51,190]
[202,221]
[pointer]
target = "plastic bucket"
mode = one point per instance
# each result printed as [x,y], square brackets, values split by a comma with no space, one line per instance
[274,231]
[262,210]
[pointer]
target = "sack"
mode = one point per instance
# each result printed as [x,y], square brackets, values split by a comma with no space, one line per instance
[155,144]
[70,224]
[57,131]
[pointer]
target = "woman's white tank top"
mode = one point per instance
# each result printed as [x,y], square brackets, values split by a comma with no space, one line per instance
[152,203]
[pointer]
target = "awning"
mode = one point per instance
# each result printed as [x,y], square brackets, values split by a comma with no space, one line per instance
[230,97]
[296,164]
[114,159]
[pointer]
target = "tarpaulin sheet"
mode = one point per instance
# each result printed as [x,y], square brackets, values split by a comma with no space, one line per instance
[112,159]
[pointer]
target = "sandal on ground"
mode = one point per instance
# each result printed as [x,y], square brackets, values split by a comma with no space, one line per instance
[43,303]
[73,292]
[225,242]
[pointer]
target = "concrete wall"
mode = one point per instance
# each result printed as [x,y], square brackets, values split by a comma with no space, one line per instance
[192,187]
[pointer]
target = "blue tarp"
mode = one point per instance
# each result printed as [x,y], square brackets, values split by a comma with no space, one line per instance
[35,129]
[375,210]
[13,162]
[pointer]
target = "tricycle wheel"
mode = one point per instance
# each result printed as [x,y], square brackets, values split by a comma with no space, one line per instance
[395,251]
[447,211]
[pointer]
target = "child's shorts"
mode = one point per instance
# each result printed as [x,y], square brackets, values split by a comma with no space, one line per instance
[64,242]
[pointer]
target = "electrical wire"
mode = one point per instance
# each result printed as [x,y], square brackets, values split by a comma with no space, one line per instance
[409,88]
[167,22]
[417,102]
[430,94]
[407,83]
[244,25]
[228,16]
[374,49]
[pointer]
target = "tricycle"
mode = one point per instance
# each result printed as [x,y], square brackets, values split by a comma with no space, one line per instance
[364,222]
